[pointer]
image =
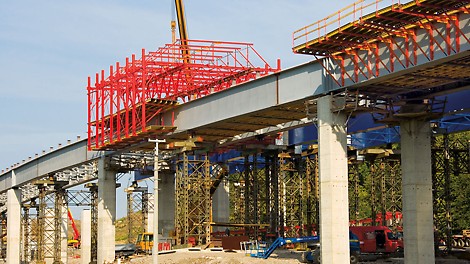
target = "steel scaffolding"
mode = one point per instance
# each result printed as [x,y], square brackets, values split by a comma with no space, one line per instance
[313,193]
[41,247]
[254,178]
[385,193]
[292,187]
[450,157]
[93,187]
[60,216]
[30,232]
[237,198]
[137,211]
[192,199]
[353,190]
[3,239]
[26,234]
[272,191]
[281,191]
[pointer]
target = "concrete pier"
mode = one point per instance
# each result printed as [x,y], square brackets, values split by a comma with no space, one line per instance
[106,212]
[333,165]
[85,234]
[64,234]
[166,202]
[417,191]
[13,225]
[149,226]
[220,205]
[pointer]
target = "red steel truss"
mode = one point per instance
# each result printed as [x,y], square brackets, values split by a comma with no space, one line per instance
[124,107]
[357,37]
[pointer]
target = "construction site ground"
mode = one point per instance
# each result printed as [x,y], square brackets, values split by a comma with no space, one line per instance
[184,256]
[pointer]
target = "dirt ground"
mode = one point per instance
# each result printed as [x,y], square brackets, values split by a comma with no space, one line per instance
[184,256]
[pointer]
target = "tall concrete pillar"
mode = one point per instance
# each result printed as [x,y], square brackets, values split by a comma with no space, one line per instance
[85,237]
[333,168]
[417,191]
[106,212]
[166,204]
[63,234]
[149,227]
[13,225]
[220,205]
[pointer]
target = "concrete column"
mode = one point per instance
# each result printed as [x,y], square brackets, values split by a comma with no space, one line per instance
[166,202]
[333,168]
[149,227]
[85,235]
[106,212]
[220,205]
[64,234]
[417,191]
[13,225]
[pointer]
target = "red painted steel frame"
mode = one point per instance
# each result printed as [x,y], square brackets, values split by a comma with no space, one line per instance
[122,105]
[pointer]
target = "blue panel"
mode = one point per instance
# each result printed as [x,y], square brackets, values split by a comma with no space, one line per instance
[361,122]
[375,137]
[455,123]
[457,101]
[366,133]
[303,135]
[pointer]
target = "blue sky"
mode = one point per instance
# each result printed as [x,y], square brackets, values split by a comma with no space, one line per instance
[49,48]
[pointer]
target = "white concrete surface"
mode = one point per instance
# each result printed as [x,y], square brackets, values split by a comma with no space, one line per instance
[417,191]
[13,225]
[106,212]
[85,234]
[333,168]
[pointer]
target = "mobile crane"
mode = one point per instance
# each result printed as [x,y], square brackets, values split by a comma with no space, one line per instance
[75,241]
[183,29]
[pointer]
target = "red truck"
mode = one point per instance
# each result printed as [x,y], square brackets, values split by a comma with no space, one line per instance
[377,239]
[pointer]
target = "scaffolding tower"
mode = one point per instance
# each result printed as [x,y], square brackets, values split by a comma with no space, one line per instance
[291,194]
[450,157]
[193,199]
[137,211]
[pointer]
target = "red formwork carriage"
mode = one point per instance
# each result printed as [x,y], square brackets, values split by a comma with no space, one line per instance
[124,107]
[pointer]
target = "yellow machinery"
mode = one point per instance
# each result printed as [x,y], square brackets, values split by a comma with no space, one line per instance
[144,243]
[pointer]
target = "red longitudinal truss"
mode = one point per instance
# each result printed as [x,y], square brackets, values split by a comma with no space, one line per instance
[366,40]
[126,106]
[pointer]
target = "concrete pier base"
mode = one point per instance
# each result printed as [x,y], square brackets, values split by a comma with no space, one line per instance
[13,225]
[106,212]
[417,191]
[85,234]
[333,165]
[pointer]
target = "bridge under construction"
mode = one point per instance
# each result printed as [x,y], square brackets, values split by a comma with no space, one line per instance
[230,140]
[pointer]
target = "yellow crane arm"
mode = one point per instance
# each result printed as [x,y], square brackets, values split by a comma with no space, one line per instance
[183,30]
